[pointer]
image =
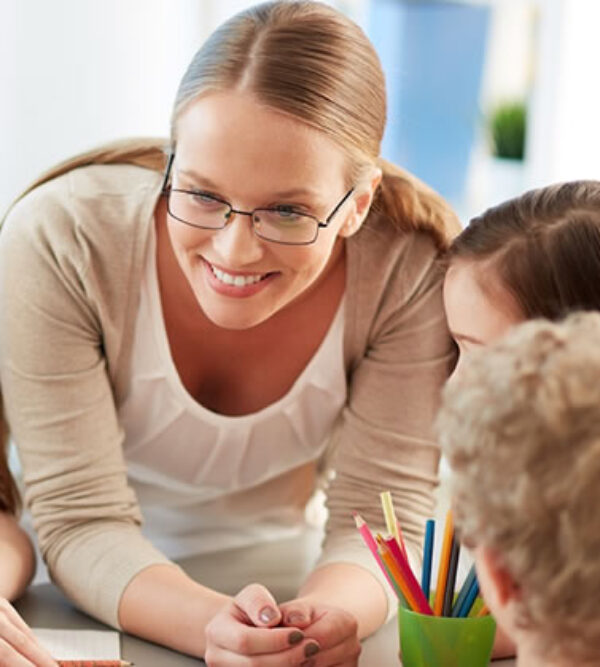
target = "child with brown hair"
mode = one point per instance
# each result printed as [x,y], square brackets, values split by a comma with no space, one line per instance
[520,426]
[17,560]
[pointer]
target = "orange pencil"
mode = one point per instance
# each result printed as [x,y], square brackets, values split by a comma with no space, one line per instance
[484,611]
[392,566]
[440,590]
[408,576]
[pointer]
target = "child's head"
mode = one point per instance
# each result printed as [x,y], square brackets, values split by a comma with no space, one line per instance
[520,426]
[537,255]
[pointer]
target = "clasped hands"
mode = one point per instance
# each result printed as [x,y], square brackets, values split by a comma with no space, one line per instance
[253,630]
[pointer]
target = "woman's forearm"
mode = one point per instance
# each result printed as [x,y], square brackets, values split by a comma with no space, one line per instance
[164,605]
[352,588]
[17,558]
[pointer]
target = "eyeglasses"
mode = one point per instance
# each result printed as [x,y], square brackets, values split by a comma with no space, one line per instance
[281,224]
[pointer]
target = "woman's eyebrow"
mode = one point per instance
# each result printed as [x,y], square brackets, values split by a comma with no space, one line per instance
[292,192]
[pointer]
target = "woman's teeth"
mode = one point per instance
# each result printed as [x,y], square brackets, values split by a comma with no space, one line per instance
[237,280]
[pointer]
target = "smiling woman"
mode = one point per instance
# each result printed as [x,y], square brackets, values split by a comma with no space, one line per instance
[213,327]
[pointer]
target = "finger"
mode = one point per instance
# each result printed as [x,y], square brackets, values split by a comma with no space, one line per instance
[259,605]
[331,628]
[22,644]
[345,654]
[10,658]
[228,633]
[297,613]
[216,656]
[6,609]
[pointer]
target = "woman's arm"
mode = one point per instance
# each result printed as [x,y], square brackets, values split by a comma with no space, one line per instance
[385,438]
[164,605]
[17,558]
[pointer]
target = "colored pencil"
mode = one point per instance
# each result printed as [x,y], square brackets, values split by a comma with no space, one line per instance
[469,601]
[451,578]
[484,611]
[369,540]
[427,557]
[464,590]
[94,663]
[409,578]
[391,523]
[443,566]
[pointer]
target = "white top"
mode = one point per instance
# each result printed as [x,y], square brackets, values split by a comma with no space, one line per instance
[192,469]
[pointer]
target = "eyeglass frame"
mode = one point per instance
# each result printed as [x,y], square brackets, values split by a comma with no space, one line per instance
[167,189]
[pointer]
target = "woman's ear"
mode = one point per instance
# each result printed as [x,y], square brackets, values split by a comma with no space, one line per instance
[362,199]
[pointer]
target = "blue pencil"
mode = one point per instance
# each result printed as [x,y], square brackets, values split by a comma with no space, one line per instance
[460,599]
[469,600]
[427,556]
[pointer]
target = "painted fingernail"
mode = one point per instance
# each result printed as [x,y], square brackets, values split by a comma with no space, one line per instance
[295,637]
[267,614]
[295,618]
[311,649]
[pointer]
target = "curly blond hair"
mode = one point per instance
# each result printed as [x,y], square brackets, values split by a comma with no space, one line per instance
[520,426]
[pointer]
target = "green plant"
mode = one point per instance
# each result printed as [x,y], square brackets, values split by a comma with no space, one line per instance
[507,128]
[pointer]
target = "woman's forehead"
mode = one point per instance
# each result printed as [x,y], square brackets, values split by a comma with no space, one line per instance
[231,135]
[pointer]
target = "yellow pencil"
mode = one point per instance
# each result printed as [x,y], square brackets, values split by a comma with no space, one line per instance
[387,504]
[438,603]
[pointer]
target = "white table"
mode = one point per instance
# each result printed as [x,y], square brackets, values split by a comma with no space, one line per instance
[45,606]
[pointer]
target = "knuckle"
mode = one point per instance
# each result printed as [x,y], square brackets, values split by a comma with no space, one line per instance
[241,644]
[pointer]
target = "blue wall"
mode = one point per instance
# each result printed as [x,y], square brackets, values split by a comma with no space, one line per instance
[432,53]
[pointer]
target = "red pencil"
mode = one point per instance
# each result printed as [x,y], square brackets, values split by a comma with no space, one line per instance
[94,663]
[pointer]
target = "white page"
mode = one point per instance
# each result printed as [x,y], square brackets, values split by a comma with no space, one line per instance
[79,644]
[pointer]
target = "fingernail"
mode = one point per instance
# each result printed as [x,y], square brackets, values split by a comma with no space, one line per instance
[296,618]
[311,649]
[295,637]
[267,614]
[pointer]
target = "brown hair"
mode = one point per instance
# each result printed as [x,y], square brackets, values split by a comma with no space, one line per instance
[544,246]
[9,496]
[309,61]
[520,427]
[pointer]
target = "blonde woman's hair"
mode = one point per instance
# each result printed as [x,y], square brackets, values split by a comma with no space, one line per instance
[520,425]
[309,61]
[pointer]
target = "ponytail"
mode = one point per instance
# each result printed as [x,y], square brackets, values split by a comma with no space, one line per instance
[150,153]
[411,205]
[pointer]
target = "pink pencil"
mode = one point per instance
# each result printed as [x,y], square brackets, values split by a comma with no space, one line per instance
[408,576]
[369,540]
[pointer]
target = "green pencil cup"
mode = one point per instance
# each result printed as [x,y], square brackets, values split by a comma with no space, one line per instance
[440,641]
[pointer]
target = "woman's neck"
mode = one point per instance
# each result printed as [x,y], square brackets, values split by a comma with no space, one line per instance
[528,656]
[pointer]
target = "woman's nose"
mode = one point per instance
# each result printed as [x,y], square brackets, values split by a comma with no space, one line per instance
[236,243]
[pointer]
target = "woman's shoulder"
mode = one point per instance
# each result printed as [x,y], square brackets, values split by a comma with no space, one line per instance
[99,205]
[380,243]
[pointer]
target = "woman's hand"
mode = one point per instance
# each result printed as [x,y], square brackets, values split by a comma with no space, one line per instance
[18,645]
[334,629]
[245,633]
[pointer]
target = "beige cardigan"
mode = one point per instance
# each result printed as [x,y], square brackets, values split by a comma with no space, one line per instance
[71,257]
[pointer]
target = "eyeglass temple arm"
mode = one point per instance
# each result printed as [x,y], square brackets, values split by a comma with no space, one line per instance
[336,209]
[167,172]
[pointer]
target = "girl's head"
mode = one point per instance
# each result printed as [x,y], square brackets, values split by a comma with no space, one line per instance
[537,255]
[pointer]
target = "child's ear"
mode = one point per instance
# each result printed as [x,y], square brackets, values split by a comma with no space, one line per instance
[497,584]
[362,200]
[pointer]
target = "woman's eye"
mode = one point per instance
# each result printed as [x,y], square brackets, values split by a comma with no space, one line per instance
[204,199]
[288,212]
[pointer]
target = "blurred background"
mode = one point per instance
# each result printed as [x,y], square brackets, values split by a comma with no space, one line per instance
[486,97]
